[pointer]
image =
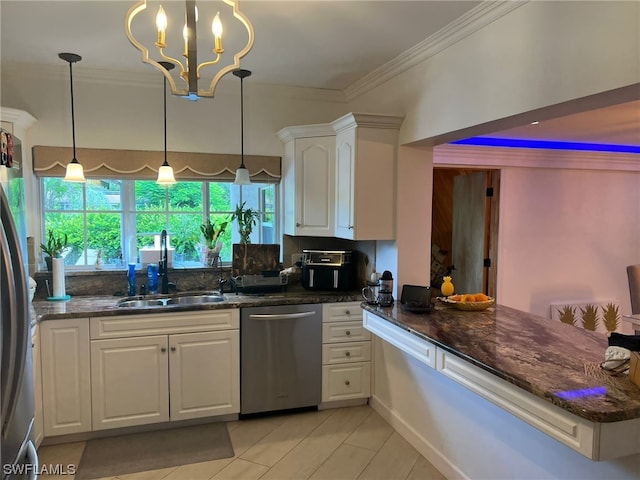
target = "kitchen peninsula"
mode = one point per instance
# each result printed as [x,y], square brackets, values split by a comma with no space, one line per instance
[544,372]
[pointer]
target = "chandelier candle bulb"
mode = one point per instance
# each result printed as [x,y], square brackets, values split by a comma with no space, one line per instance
[161,23]
[216,29]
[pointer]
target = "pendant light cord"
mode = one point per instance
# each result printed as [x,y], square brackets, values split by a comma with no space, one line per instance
[242,123]
[165,121]
[73,116]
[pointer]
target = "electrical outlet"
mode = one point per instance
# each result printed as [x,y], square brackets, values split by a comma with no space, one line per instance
[295,258]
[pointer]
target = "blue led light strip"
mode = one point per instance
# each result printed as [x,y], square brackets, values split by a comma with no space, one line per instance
[546,144]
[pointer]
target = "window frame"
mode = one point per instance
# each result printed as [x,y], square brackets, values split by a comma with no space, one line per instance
[128,212]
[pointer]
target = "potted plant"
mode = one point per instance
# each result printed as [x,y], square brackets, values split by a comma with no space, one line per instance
[246,218]
[211,233]
[54,247]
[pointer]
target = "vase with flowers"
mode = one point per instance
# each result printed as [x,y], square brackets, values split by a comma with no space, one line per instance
[54,247]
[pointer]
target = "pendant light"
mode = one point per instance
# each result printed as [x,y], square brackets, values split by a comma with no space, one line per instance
[165,172]
[75,173]
[242,173]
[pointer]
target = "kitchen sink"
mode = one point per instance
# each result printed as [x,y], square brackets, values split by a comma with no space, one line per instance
[142,303]
[195,299]
[176,300]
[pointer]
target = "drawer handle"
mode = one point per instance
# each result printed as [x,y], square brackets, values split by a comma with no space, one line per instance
[173,349]
[347,383]
[347,354]
[163,349]
[347,333]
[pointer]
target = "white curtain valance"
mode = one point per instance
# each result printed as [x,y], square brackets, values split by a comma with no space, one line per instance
[144,164]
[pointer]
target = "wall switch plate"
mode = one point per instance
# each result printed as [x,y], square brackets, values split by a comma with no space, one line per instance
[295,258]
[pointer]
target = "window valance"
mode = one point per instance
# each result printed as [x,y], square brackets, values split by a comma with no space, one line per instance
[144,164]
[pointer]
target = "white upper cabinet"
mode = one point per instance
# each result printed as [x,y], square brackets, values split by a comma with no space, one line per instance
[366,153]
[308,173]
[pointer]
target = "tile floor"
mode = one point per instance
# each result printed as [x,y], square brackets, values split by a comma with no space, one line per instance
[335,444]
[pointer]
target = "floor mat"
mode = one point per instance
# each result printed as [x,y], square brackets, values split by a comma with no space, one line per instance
[112,456]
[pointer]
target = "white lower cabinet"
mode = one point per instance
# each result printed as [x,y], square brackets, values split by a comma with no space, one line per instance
[346,353]
[120,371]
[158,378]
[66,377]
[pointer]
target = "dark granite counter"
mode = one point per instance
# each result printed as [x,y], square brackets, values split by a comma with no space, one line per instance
[102,305]
[552,360]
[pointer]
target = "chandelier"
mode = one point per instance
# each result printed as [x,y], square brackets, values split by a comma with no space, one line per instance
[178,42]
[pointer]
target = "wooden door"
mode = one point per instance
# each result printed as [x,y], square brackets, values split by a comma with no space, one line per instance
[470,237]
[204,372]
[66,377]
[129,383]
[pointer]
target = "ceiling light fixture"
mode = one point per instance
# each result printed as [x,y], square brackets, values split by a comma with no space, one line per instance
[75,172]
[165,172]
[190,71]
[242,173]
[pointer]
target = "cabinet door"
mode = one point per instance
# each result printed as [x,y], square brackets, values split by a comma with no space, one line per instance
[129,381]
[66,378]
[38,423]
[315,173]
[345,184]
[204,374]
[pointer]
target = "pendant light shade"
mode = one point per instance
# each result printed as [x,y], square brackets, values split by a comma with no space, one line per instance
[165,172]
[242,173]
[75,172]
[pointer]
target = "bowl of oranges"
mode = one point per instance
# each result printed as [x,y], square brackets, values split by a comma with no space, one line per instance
[470,301]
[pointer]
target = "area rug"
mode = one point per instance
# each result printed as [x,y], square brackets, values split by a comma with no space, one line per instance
[112,456]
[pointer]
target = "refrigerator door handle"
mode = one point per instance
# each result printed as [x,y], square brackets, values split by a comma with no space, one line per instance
[32,460]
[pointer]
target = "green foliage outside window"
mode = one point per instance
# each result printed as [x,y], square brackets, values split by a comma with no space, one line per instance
[94,216]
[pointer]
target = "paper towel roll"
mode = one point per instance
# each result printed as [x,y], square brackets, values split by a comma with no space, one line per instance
[58,277]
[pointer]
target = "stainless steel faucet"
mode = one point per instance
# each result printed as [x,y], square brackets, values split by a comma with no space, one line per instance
[163,263]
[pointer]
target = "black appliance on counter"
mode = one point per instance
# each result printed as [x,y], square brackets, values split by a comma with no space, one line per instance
[265,282]
[327,269]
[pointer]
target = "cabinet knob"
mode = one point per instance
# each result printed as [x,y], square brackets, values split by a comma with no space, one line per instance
[347,354]
[173,349]
[163,349]
[347,333]
[347,383]
[297,224]
[347,312]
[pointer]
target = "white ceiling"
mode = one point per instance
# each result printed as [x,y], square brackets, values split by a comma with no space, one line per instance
[318,44]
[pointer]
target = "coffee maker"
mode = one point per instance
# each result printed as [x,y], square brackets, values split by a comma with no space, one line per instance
[385,291]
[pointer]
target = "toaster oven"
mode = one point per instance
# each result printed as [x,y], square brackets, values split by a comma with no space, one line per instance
[327,269]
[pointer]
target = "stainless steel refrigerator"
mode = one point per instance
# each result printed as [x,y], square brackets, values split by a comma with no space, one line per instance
[17,452]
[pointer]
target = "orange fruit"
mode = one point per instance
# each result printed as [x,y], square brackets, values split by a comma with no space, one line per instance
[481,297]
[467,297]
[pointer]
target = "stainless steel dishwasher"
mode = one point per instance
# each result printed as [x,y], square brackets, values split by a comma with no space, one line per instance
[280,358]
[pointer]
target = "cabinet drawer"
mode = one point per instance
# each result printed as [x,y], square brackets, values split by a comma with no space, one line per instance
[344,332]
[350,352]
[345,381]
[164,323]
[341,312]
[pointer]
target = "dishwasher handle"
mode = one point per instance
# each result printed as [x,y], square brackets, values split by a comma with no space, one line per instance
[280,316]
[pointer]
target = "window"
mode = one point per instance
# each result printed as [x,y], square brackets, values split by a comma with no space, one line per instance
[119,218]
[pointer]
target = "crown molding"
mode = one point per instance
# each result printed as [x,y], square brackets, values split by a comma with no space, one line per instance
[496,157]
[17,117]
[305,131]
[369,120]
[475,19]
[128,78]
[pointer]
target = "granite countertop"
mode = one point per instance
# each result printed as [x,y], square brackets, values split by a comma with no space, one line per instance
[552,360]
[106,305]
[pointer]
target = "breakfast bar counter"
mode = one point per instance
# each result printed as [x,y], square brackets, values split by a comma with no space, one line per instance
[542,371]
[552,360]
